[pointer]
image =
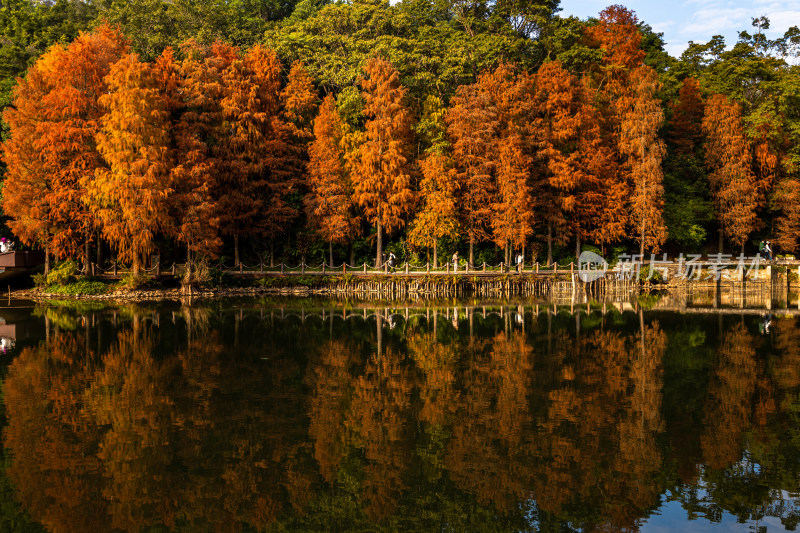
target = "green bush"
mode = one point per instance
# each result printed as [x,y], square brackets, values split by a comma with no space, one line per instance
[39,280]
[62,274]
[132,282]
[82,287]
[657,276]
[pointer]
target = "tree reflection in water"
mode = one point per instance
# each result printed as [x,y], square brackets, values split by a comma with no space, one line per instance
[509,419]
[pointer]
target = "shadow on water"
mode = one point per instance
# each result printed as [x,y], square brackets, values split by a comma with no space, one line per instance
[279,415]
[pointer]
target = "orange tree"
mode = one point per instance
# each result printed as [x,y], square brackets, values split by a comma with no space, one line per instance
[644,152]
[729,161]
[130,197]
[381,180]
[44,194]
[328,201]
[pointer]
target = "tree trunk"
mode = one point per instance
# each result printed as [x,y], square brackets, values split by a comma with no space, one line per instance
[352,255]
[577,247]
[235,250]
[136,264]
[46,258]
[471,246]
[549,243]
[507,253]
[189,264]
[379,253]
[99,250]
[271,253]
[435,255]
[330,253]
[720,239]
[87,259]
[641,244]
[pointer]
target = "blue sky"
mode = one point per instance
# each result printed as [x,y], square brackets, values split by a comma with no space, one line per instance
[682,21]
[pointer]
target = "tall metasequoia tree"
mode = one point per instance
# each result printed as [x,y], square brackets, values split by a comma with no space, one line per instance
[787,196]
[512,208]
[570,195]
[644,151]
[250,142]
[511,212]
[43,195]
[130,197]
[193,205]
[618,36]
[728,158]
[380,177]
[438,216]
[27,183]
[299,103]
[328,201]
[472,126]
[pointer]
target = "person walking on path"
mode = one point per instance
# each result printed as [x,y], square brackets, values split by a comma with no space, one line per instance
[520,262]
[455,262]
[768,250]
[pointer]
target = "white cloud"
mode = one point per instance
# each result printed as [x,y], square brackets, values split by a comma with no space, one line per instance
[715,21]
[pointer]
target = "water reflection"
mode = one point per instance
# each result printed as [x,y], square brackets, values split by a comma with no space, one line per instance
[251,416]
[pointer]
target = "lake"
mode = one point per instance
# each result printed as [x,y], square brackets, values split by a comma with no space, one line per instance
[324,415]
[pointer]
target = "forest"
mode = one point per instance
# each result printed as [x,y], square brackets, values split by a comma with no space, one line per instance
[255,130]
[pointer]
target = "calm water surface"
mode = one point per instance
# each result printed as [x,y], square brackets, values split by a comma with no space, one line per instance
[253,415]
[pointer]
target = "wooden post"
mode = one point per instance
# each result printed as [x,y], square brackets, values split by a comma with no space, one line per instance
[173,268]
[448,267]
[406,268]
[484,267]
[365,267]
[158,266]
[502,268]
[344,267]
[323,267]
[281,267]
[241,268]
[571,269]
[261,267]
[302,267]
[537,267]
[428,267]
[115,268]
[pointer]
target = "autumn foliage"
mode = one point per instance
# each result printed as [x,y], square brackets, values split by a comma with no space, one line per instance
[380,173]
[213,149]
[728,156]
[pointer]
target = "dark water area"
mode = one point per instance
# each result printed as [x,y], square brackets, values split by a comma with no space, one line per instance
[256,415]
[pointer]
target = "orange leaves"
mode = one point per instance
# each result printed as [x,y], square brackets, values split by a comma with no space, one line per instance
[381,181]
[130,198]
[328,202]
[687,114]
[472,127]
[644,151]
[618,36]
[437,217]
[728,158]
[54,121]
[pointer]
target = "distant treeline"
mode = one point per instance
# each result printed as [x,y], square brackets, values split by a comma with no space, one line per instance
[299,130]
